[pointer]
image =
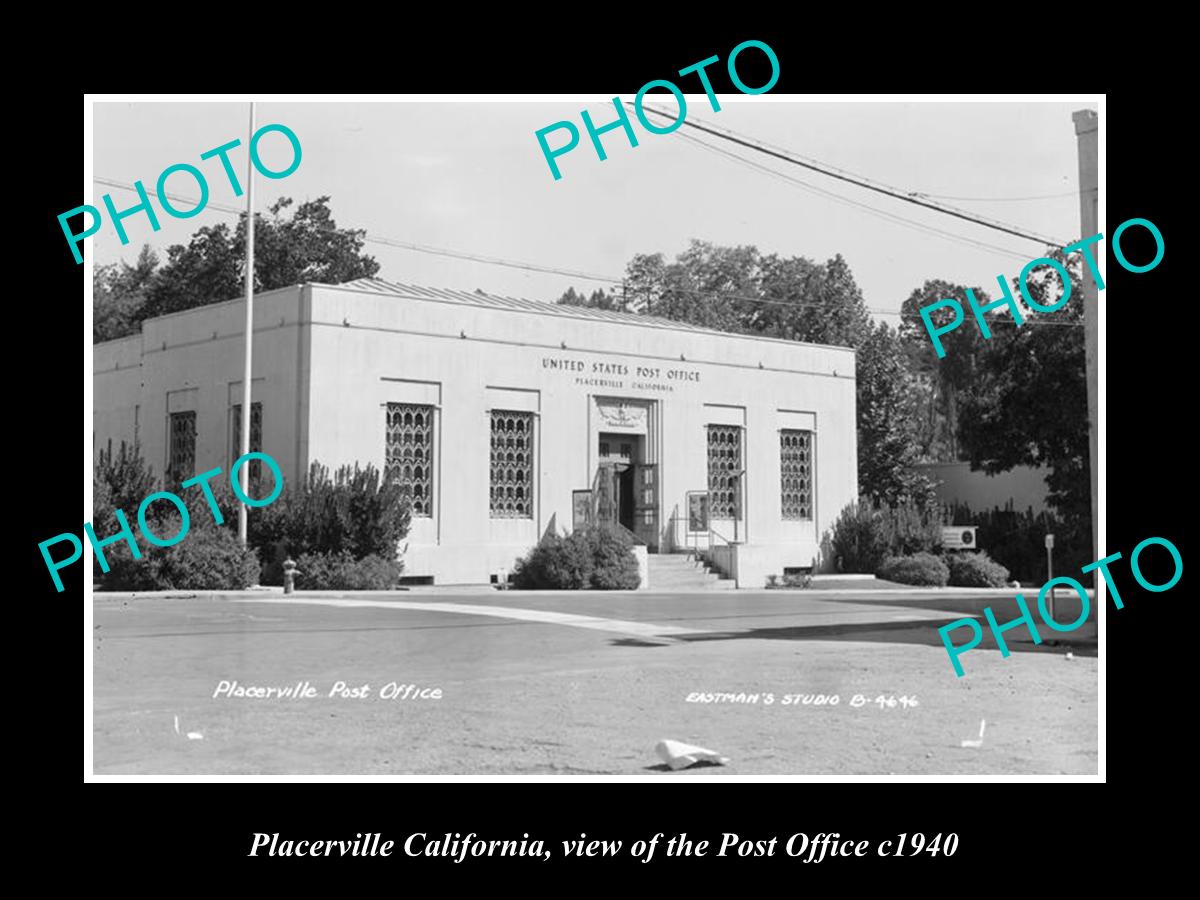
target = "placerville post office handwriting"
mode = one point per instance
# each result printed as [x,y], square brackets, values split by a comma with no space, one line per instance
[306,690]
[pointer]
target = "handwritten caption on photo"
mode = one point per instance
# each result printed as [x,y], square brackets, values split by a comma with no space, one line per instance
[768,698]
[305,690]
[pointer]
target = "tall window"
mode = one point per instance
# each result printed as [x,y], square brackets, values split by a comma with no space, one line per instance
[409,453]
[724,466]
[235,449]
[181,446]
[795,468]
[512,465]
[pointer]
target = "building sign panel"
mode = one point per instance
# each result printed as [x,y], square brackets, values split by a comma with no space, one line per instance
[620,415]
[698,511]
[581,509]
[621,375]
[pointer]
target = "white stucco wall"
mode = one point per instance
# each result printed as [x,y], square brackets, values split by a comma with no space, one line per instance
[368,350]
[327,361]
[194,360]
[1022,486]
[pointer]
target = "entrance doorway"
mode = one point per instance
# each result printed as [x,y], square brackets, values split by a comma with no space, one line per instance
[626,488]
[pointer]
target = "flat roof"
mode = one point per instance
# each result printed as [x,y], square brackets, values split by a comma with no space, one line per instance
[478,298]
[518,304]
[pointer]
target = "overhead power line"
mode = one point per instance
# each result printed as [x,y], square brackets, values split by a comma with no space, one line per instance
[860,181]
[841,198]
[548,270]
[997,199]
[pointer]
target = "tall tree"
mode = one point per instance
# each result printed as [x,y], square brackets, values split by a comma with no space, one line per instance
[1029,403]
[306,246]
[941,383]
[118,294]
[711,285]
[886,445]
[824,303]
[599,299]
[739,290]
[645,281]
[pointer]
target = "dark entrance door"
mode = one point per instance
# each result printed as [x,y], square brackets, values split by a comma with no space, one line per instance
[626,487]
[615,495]
[625,498]
[616,487]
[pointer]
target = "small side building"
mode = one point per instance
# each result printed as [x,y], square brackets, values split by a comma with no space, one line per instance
[507,418]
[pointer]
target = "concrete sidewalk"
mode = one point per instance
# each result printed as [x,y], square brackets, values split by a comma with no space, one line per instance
[462,590]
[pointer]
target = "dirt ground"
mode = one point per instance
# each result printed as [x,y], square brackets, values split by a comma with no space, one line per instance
[521,698]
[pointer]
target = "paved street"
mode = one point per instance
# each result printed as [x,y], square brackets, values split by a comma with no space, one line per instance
[583,683]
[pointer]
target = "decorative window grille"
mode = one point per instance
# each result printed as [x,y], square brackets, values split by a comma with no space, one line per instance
[181,446]
[409,456]
[512,465]
[795,467]
[235,449]
[724,464]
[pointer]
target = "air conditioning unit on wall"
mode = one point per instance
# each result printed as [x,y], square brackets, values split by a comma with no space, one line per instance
[959,537]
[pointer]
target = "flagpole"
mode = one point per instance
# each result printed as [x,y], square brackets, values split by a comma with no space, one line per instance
[244,474]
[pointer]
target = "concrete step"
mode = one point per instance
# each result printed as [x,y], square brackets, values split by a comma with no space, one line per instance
[678,572]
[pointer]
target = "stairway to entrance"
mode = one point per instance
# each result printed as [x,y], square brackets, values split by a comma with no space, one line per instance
[680,572]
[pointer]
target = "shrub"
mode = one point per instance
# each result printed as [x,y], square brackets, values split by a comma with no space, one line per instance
[598,558]
[920,568]
[1015,539]
[866,534]
[341,571]
[207,559]
[352,512]
[909,528]
[860,538]
[121,481]
[975,570]
[556,563]
[614,567]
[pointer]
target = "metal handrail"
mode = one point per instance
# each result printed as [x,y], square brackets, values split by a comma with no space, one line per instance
[617,526]
[712,532]
[690,544]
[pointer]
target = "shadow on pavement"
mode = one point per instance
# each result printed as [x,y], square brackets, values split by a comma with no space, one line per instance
[923,632]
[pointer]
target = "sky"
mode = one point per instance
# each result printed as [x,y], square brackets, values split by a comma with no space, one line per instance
[470,177]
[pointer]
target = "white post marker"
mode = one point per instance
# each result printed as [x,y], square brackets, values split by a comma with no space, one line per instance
[979,743]
[244,475]
[1050,570]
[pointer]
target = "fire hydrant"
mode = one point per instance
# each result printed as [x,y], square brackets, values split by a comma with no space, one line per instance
[289,575]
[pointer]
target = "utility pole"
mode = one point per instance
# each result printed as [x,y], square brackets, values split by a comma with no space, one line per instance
[244,474]
[1086,134]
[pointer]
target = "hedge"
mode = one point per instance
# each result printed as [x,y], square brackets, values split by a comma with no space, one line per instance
[865,534]
[923,569]
[353,511]
[341,571]
[207,559]
[975,570]
[597,558]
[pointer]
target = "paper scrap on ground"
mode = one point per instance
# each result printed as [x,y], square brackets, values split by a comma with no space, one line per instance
[978,743]
[195,736]
[680,756]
